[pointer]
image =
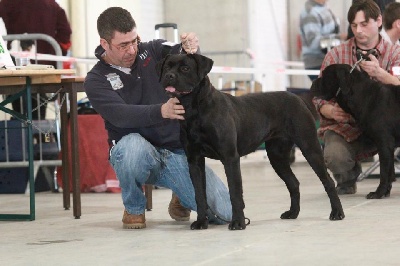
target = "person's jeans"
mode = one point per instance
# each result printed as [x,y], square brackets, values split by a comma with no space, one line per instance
[137,162]
[340,157]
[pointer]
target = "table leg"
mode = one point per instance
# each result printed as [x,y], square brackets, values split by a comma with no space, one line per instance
[75,154]
[30,149]
[64,153]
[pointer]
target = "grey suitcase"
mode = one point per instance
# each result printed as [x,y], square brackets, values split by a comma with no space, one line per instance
[174,26]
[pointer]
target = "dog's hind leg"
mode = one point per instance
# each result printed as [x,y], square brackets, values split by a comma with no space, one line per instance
[278,151]
[312,151]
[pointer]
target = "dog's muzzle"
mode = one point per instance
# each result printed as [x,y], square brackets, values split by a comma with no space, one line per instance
[174,92]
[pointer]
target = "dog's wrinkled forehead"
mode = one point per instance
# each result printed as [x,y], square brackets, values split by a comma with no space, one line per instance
[180,61]
[194,63]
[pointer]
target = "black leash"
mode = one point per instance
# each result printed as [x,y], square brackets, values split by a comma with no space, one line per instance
[217,217]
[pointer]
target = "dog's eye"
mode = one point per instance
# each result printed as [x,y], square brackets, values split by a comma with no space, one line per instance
[185,68]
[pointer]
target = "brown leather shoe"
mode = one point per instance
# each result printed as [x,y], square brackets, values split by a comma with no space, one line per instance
[177,211]
[133,221]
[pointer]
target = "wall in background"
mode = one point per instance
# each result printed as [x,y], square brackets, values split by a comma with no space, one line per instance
[83,16]
[238,33]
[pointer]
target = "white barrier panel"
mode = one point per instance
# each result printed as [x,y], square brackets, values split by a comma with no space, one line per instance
[267,76]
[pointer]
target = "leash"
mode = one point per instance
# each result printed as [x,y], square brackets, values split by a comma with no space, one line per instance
[363,57]
[353,67]
[217,217]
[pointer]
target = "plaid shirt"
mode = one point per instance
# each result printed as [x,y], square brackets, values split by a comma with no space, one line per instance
[389,56]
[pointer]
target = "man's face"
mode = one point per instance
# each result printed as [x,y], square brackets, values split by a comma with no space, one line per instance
[366,32]
[122,49]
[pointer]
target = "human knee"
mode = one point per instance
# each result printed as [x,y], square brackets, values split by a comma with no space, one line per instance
[132,147]
[338,163]
[133,157]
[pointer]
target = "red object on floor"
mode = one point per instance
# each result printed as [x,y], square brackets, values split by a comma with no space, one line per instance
[96,172]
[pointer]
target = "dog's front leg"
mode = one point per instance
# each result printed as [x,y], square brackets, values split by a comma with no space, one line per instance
[386,159]
[234,177]
[198,177]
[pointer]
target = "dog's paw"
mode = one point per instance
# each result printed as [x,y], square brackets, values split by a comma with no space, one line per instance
[290,214]
[375,195]
[198,225]
[236,225]
[381,192]
[336,215]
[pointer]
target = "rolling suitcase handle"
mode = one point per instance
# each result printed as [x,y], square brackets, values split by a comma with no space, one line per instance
[167,25]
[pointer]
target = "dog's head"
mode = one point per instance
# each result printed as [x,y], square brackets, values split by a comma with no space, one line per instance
[335,79]
[337,82]
[180,74]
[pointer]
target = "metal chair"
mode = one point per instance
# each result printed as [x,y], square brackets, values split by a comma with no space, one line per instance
[376,164]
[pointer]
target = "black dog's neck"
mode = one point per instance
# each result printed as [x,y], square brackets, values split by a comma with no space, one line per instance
[191,102]
[199,92]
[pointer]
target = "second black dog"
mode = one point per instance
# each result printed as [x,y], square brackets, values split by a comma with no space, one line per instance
[224,127]
[376,108]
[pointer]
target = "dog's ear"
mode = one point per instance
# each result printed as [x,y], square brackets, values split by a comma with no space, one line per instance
[204,64]
[315,88]
[160,66]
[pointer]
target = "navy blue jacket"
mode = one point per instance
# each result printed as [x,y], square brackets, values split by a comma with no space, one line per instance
[131,103]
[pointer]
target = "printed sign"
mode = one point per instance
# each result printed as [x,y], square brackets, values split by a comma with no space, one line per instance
[5,57]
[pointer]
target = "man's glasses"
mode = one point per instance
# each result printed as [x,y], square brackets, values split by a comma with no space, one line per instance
[126,46]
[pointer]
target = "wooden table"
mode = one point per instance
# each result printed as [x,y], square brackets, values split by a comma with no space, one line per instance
[20,82]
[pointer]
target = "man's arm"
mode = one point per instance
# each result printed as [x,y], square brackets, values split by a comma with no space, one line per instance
[376,72]
[63,30]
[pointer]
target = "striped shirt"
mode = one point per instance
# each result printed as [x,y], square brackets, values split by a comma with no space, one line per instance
[389,56]
[316,21]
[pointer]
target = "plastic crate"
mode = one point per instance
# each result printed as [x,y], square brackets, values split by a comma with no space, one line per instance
[13,180]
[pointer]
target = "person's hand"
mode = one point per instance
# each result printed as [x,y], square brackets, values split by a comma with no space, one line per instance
[190,42]
[172,109]
[371,67]
[339,115]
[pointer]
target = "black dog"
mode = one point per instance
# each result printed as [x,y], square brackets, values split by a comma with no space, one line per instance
[376,108]
[223,127]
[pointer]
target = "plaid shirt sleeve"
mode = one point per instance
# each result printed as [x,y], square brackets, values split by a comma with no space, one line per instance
[342,54]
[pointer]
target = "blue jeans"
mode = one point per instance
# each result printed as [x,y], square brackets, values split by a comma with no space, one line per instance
[137,162]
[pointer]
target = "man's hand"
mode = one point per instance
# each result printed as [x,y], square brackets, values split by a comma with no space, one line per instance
[376,72]
[336,113]
[172,109]
[372,67]
[190,42]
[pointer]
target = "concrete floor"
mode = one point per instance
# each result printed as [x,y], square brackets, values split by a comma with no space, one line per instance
[367,236]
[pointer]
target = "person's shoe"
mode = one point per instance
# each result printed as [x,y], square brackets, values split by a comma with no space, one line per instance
[343,190]
[177,211]
[133,221]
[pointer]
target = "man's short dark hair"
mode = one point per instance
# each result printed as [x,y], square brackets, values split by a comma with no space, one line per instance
[391,14]
[369,7]
[114,19]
